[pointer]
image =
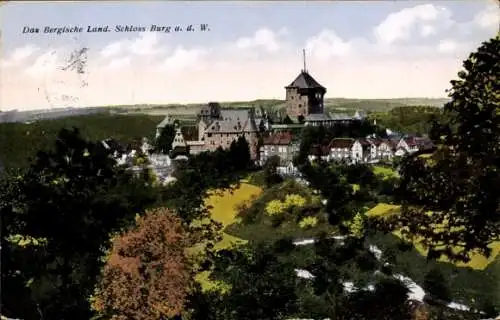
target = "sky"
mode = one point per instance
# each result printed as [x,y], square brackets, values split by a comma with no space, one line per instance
[251,50]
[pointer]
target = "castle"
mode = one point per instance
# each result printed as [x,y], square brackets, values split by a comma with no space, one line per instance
[219,127]
[304,96]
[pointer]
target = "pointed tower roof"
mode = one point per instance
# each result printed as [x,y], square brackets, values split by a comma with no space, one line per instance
[305,81]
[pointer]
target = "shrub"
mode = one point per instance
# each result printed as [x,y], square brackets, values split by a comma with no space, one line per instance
[294,200]
[308,222]
[274,207]
[357,225]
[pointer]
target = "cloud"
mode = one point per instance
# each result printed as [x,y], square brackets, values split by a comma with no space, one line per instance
[488,18]
[146,44]
[119,63]
[46,62]
[19,55]
[447,46]
[398,26]
[112,49]
[328,44]
[185,59]
[427,30]
[263,38]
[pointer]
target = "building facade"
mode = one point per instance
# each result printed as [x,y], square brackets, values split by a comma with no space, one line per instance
[219,127]
[281,144]
[304,96]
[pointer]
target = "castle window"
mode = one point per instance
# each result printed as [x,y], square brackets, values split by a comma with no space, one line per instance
[300,106]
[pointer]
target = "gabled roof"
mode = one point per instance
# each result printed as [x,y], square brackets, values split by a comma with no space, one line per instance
[233,121]
[377,142]
[341,143]
[305,81]
[165,122]
[365,143]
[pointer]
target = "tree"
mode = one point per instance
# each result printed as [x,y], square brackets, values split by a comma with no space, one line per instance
[147,274]
[57,217]
[387,300]
[239,151]
[333,187]
[435,285]
[271,175]
[262,286]
[164,142]
[452,200]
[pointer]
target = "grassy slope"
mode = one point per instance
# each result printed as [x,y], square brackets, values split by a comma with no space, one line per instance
[224,211]
[385,172]
[224,208]
[19,141]
[262,228]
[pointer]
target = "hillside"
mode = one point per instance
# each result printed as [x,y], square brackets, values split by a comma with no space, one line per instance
[20,141]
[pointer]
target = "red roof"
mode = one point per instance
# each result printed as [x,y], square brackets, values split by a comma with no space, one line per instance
[411,141]
[279,138]
[341,143]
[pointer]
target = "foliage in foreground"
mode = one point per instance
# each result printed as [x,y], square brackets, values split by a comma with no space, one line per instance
[147,274]
[70,199]
[451,200]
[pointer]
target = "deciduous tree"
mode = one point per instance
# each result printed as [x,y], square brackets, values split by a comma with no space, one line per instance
[69,200]
[164,142]
[147,274]
[451,200]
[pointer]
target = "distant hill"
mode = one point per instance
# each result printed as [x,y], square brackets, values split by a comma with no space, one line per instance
[189,110]
[331,104]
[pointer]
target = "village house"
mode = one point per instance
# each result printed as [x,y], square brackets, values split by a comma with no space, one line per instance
[345,149]
[283,145]
[367,150]
[384,148]
[414,144]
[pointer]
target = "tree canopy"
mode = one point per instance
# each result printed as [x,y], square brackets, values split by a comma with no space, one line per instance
[451,200]
[164,142]
[147,274]
[67,202]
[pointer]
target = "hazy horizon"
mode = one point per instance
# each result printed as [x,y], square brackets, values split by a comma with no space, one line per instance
[357,50]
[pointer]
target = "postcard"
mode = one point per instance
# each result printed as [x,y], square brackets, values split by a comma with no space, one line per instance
[226,159]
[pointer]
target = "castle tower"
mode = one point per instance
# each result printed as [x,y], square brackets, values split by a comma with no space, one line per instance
[304,95]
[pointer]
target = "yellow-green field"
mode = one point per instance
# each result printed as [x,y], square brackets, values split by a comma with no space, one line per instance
[477,261]
[386,173]
[224,210]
